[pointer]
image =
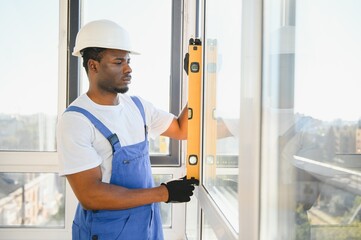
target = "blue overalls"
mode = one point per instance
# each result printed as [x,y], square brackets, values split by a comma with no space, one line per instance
[131,169]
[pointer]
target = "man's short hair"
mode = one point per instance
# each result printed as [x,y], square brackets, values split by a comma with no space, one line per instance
[91,53]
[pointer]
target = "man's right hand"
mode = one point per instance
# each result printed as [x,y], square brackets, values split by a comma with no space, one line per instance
[180,190]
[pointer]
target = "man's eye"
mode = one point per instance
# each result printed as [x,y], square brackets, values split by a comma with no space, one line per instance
[122,62]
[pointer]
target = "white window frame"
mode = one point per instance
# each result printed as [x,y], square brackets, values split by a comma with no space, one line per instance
[249,145]
[44,162]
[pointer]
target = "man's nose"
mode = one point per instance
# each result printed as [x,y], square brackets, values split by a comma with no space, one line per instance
[127,69]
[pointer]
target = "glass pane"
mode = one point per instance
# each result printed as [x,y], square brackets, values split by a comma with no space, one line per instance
[150,30]
[222,106]
[207,231]
[29,74]
[32,200]
[311,162]
[165,209]
[192,225]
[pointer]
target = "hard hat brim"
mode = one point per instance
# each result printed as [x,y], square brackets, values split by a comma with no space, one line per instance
[77,53]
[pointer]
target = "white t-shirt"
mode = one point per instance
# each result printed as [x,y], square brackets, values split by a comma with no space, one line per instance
[81,146]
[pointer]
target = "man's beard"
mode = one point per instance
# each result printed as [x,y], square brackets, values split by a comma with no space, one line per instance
[121,90]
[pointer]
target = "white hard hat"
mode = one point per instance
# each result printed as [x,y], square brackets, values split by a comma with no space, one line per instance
[103,34]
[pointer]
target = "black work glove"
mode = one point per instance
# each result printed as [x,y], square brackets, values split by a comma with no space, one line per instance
[180,190]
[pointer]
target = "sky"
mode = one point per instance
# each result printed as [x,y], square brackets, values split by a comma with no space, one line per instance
[328,59]
[29,64]
[150,30]
[327,54]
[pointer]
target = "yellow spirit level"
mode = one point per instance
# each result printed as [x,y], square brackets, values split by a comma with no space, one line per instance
[194,107]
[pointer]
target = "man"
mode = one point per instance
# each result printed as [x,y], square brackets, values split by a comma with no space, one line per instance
[103,144]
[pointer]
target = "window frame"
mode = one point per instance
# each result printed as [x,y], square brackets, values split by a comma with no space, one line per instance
[68,90]
[175,91]
[250,130]
[44,162]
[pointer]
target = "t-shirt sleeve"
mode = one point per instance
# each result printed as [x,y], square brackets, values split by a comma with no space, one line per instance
[75,135]
[158,120]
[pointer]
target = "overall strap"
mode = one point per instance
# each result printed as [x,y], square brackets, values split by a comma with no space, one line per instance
[112,137]
[141,109]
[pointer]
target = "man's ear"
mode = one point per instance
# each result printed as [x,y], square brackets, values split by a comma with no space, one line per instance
[92,65]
